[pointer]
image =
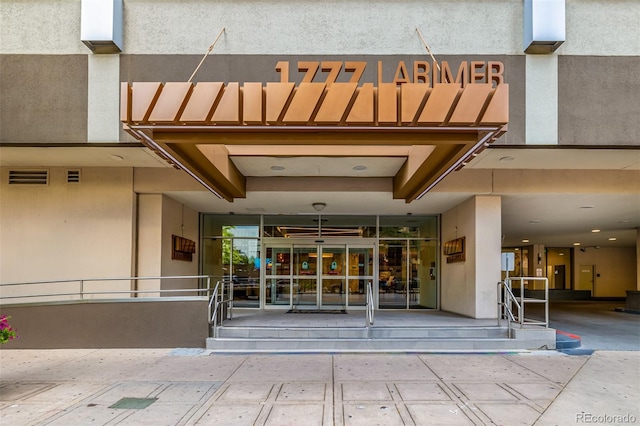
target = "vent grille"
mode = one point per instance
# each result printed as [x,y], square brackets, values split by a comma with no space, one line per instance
[28,177]
[73,176]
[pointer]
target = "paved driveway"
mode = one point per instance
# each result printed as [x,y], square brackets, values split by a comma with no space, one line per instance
[599,325]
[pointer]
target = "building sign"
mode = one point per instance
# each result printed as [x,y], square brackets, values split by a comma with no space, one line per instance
[182,248]
[454,250]
[430,73]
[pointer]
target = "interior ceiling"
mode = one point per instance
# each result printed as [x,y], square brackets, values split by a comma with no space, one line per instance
[555,220]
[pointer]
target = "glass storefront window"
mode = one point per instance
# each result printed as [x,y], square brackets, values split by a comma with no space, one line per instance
[408,227]
[283,226]
[310,273]
[407,274]
[312,226]
[214,225]
[349,226]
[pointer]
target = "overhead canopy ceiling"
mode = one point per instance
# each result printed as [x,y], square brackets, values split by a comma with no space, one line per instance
[221,134]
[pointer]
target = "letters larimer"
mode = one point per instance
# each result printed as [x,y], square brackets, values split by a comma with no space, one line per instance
[431,73]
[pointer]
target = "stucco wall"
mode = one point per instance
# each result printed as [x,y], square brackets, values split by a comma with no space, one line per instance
[182,221]
[159,218]
[599,102]
[304,26]
[130,324]
[614,268]
[37,33]
[68,230]
[44,98]
[149,242]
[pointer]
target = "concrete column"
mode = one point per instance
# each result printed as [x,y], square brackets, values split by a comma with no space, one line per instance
[470,287]
[638,259]
[103,99]
[541,99]
[149,242]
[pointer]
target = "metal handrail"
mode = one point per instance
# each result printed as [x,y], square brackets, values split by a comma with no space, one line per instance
[217,300]
[370,308]
[523,300]
[81,293]
[506,299]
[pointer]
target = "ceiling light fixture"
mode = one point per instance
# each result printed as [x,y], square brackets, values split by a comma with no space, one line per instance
[359,168]
[525,241]
[277,168]
[319,206]
[576,244]
[507,158]
[595,230]
[116,157]
[586,207]
[612,239]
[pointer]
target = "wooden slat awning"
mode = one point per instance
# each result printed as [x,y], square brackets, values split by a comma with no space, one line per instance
[179,120]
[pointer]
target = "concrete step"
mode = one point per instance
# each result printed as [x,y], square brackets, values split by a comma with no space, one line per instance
[378,339]
[361,332]
[256,345]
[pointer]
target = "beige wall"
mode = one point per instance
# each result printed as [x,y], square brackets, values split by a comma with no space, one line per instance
[68,230]
[98,228]
[133,323]
[149,242]
[179,220]
[470,288]
[53,27]
[615,269]
[638,259]
[159,218]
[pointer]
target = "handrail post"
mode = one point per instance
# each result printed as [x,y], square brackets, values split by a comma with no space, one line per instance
[500,307]
[369,309]
[230,308]
[546,302]
[521,304]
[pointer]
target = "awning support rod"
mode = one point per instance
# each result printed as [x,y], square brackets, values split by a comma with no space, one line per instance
[205,56]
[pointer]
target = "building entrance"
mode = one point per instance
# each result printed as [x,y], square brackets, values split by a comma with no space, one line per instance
[313,275]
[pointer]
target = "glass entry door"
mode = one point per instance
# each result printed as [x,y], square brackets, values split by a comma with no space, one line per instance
[317,276]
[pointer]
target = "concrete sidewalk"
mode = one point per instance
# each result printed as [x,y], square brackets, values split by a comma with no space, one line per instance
[190,387]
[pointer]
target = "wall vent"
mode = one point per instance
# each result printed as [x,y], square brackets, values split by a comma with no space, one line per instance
[28,177]
[73,176]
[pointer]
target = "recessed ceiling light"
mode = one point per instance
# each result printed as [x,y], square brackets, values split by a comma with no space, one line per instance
[534,221]
[277,168]
[116,157]
[576,244]
[612,239]
[358,168]
[506,158]
[624,221]
[595,230]
[525,241]
[516,249]
[586,207]
[560,254]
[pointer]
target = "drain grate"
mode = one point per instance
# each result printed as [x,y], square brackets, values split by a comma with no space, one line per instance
[134,403]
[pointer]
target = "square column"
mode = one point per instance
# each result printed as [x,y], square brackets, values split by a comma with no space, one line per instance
[470,287]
